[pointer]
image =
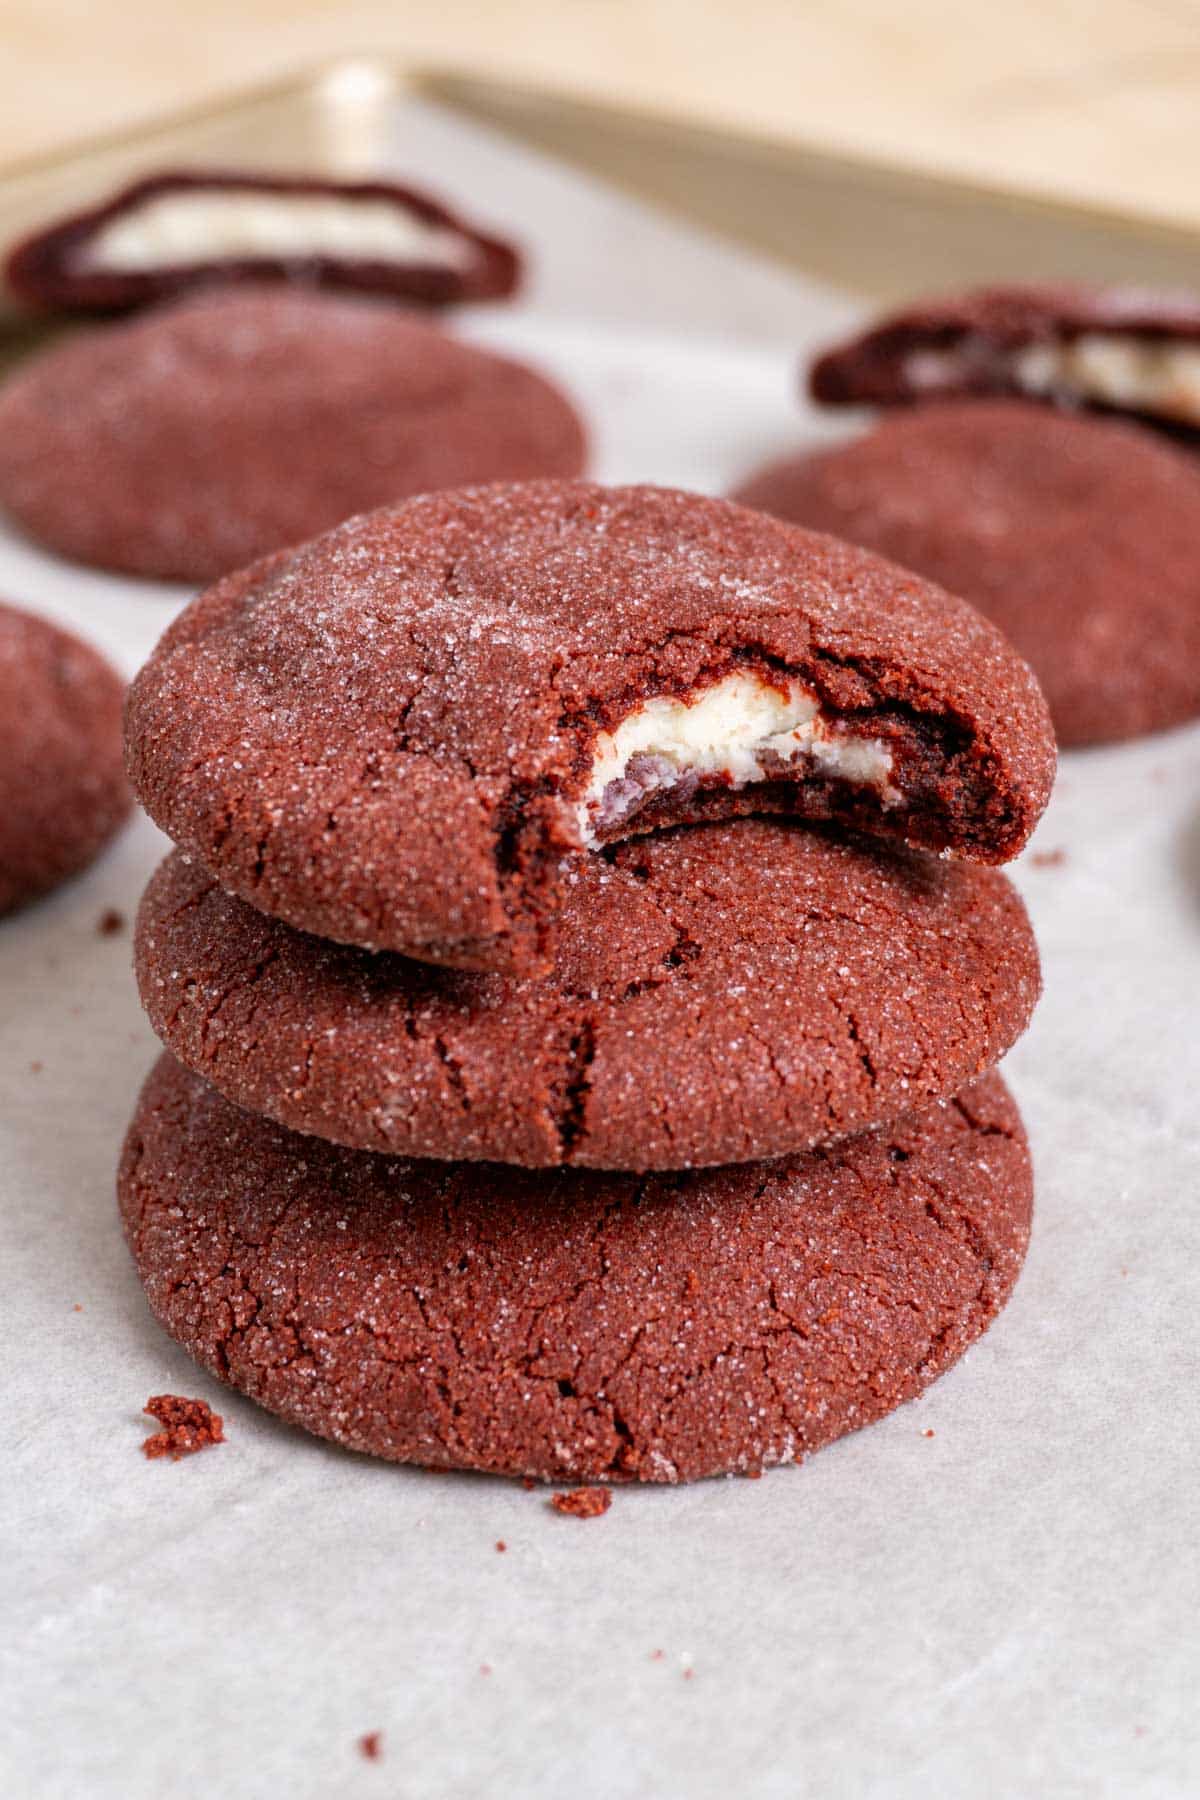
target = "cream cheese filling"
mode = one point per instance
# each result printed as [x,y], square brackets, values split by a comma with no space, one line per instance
[740,730]
[1153,375]
[219,225]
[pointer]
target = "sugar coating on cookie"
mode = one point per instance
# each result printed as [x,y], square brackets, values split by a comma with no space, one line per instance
[722,992]
[180,229]
[1076,535]
[393,735]
[574,1327]
[1124,348]
[62,788]
[193,438]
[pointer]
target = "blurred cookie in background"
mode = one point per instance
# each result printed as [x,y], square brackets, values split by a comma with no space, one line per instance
[203,434]
[62,789]
[1077,536]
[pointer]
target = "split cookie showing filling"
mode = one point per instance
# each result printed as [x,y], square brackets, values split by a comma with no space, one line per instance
[761,740]
[161,234]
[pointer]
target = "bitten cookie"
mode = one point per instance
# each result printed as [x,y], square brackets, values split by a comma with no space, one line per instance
[62,788]
[722,992]
[193,438]
[574,1326]
[1076,535]
[1131,349]
[392,735]
[183,228]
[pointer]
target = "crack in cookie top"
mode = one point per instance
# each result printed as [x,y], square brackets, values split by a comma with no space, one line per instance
[393,735]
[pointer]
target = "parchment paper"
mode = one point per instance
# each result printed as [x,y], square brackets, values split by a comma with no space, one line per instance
[1005,1608]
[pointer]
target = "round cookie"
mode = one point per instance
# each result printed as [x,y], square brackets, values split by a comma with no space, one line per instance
[1126,349]
[200,435]
[723,992]
[1077,535]
[392,735]
[574,1326]
[62,788]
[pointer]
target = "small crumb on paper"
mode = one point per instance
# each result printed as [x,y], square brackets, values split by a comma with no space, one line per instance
[501,1545]
[110,922]
[928,1431]
[370,1745]
[187,1426]
[583,1503]
[1048,859]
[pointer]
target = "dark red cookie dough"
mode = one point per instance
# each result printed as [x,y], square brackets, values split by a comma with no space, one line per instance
[384,737]
[722,992]
[1076,535]
[62,788]
[62,267]
[1123,348]
[193,438]
[576,1327]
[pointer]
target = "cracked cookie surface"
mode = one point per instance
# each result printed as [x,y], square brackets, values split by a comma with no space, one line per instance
[574,1325]
[62,785]
[1076,535]
[386,736]
[205,433]
[722,992]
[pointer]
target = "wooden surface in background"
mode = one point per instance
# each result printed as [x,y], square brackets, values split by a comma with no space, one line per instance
[1095,102]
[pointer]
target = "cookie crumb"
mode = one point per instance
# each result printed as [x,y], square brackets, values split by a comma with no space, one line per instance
[110,922]
[77,1307]
[528,1483]
[501,1545]
[485,1668]
[35,1068]
[657,1655]
[1048,859]
[583,1503]
[928,1431]
[188,1426]
[370,1745]
[688,1673]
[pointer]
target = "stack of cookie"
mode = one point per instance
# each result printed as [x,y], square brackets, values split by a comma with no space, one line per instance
[581,1059]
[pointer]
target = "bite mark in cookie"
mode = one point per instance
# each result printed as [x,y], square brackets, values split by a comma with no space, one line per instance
[743,729]
[1121,349]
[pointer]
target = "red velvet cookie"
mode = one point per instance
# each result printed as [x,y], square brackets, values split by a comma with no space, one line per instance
[722,992]
[1129,349]
[574,1326]
[392,735]
[190,439]
[1076,535]
[178,230]
[62,788]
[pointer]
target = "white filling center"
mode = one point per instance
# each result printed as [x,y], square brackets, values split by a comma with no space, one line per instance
[1154,375]
[731,730]
[215,225]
